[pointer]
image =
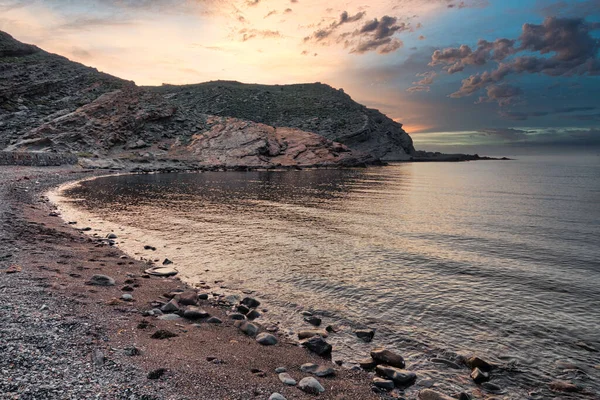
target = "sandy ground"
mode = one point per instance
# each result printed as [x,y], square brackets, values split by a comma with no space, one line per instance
[52,322]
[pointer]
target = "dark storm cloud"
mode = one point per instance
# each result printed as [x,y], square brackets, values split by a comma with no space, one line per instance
[560,47]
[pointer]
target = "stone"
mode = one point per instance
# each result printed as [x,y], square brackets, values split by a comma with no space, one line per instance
[231,299]
[479,376]
[461,396]
[203,296]
[237,317]
[318,345]
[189,298]
[476,362]
[247,328]
[428,394]
[367,363]
[101,280]
[383,383]
[98,358]
[214,320]
[13,269]
[308,333]
[562,386]
[366,335]
[132,351]
[311,386]
[587,347]
[148,247]
[491,387]
[167,262]
[384,356]
[242,309]
[162,334]
[169,317]
[286,379]
[157,373]
[250,302]
[195,313]
[252,315]
[127,288]
[266,339]
[111,236]
[401,377]
[276,396]
[279,370]
[316,321]
[126,297]
[161,271]
[171,307]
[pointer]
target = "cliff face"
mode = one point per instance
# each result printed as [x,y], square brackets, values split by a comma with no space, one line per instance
[314,107]
[50,104]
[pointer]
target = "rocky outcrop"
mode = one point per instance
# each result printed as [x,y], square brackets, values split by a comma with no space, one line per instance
[313,107]
[50,104]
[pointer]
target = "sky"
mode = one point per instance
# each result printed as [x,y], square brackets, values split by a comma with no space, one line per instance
[476,75]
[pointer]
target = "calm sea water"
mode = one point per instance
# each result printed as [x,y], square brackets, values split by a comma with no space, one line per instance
[498,259]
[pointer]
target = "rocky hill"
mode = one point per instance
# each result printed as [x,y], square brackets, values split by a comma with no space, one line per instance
[51,104]
[313,107]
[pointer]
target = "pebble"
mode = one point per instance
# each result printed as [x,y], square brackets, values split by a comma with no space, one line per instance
[203,296]
[562,386]
[266,339]
[383,383]
[189,298]
[148,247]
[286,379]
[318,345]
[252,315]
[157,373]
[132,351]
[367,363]
[127,288]
[214,320]
[169,317]
[126,297]
[161,271]
[163,334]
[101,280]
[276,396]
[237,317]
[98,358]
[311,385]
[383,356]
[167,262]
[279,370]
[111,236]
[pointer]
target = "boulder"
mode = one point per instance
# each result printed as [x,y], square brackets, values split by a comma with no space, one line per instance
[383,356]
[286,379]
[401,377]
[101,280]
[247,328]
[318,345]
[193,312]
[266,339]
[311,386]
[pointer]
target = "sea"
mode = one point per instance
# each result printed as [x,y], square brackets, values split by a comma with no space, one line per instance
[498,259]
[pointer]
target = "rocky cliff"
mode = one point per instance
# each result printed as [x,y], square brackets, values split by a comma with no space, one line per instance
[51,104]
[312,107]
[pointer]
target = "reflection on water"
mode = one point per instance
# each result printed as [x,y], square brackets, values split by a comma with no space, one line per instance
[500,259]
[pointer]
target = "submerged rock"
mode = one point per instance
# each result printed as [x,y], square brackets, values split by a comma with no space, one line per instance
[562,386]
[479,376]
[316,321]
[384,356]
[428,394]
[367,363]
[366,335]
[476,362]
[401,377]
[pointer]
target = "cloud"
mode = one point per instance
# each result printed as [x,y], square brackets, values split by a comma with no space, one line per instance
[248,34]
[377,35]
[557,47]
[324,33]
[508,134]
[522,115]
[416,89]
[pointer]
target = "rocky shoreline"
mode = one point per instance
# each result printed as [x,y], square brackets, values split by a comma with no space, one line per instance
[84,318]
